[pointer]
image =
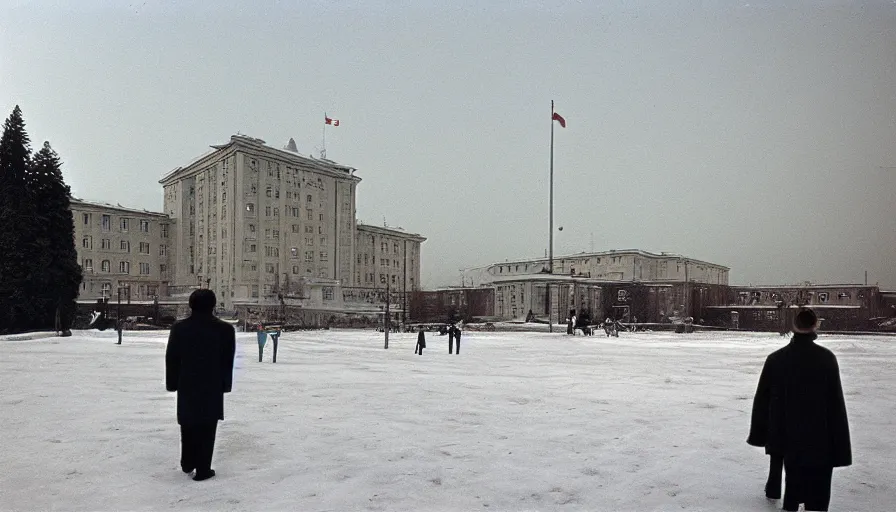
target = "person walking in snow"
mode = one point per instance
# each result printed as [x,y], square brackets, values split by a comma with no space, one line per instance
[199,367]
[799,416]
[457,340]
[452,332]
[421,342]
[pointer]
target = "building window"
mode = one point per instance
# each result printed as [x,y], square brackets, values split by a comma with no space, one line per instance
[163,268]
[393,279]
[163,250]
[144,269]
[125,223]
[310,213]
[276,233]
[144,226]
[125,246]
[328,292]
[267,211]
[107,289]
[295,228]
[107,223]
[86,217]
[250,207]
[269,268]
[144,247]
[295,269]
[252,248]
[88,265]
[323,256]
[309,256]
[106,244]
[105,266]
[823,297]
[87,242]
[294,252]
[254,291]
[124,267]
[164,230]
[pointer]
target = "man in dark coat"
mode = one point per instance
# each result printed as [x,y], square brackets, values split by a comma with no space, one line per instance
[452,332]
[457,340]
[799,415]
[199,366]
[421,342]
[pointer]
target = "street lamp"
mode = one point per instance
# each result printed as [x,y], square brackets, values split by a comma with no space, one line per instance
[387,319]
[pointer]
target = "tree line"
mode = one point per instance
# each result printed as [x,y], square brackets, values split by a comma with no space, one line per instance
[39,272]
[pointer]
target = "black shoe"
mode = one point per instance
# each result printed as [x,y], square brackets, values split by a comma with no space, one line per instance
[203,475]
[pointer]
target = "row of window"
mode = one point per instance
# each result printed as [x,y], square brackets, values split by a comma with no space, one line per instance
[124,267]
[124,224]
[124,245]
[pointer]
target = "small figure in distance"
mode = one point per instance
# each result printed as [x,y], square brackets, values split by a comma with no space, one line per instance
[421,342]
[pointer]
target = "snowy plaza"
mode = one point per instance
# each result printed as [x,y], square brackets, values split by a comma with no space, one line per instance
[517,421]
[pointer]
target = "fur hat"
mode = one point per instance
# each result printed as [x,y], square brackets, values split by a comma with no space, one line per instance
[805,321]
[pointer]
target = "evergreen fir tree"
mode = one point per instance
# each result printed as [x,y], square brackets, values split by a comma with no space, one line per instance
[17,267]
[60,276]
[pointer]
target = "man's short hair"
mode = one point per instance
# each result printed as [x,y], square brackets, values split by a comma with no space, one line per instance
[203,301]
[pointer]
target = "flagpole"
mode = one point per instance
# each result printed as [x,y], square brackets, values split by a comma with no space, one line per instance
[323,147]
[551,228]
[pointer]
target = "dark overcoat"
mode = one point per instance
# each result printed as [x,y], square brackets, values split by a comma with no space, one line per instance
[799,411]
[421,339]
[199,366]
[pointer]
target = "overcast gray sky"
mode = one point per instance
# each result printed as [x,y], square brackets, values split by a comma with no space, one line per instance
[750,134]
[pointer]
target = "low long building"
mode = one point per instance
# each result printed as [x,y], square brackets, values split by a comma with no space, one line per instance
[632,265]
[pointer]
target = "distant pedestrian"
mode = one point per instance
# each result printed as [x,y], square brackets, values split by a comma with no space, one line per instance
[199,367]
[421,342]
[452,332]
[457,339]
[799,416]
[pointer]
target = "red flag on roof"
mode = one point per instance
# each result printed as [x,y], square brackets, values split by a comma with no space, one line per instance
[557,117]
[327,120]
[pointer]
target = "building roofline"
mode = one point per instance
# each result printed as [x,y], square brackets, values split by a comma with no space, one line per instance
[611,252]
[96,204]
[390,231]
[245,142]
[779,286]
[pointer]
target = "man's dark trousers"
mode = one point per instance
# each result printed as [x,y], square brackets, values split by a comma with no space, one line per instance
[197,444]
[775,472]
[450,342]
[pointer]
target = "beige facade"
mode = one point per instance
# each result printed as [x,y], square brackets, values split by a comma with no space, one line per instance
[261,225]
[623,265]
[387,255]
[121,247]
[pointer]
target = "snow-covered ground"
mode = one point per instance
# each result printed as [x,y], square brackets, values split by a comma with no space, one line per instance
[517,421]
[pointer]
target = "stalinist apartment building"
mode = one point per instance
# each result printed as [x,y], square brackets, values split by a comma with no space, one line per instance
[121,247]
[259,224]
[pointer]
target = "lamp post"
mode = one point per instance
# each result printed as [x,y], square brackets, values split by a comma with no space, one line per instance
[387,319]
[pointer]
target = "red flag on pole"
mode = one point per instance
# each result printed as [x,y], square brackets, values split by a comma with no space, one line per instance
[557,117]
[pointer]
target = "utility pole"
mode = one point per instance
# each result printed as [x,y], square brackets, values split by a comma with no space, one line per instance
[387,319]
